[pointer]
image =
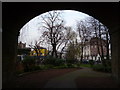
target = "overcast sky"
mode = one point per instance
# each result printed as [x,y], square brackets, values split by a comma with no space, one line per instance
[31,32]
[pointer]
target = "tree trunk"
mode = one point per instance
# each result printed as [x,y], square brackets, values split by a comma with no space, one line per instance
[60,55]
[98,49]
[107,46]
[101,45]
[54,52]
[81,59]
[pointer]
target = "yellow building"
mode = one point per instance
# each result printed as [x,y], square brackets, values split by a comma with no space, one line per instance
[41,51]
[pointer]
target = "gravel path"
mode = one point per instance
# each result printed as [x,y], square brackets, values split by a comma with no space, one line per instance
[91,79]
[83,78]
[66,78]
[40,78]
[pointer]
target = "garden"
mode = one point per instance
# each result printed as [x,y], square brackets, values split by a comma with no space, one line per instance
[30,64]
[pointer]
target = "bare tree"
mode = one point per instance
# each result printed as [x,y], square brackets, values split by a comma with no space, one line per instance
[107,36]
[54,26]
[84,34]
[35,45]
[69,36]
[78,49]
[102,33]
[96,32]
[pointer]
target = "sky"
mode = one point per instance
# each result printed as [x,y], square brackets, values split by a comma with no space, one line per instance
[30,31]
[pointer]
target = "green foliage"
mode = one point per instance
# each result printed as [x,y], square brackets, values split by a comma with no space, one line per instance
[48,66]
[29,60]
[73,51]
[91,62]
[104,67]
[85,65]
[54,61]
[28,63]
[42,67]
[61,66]
[59,62]
[100,67]
[71,65]
[70,61]
[78,64]
[49,63]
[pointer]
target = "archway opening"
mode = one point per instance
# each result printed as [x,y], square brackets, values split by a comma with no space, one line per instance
[57,34]
[108,14]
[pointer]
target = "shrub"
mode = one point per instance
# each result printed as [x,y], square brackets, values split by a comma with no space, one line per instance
[78,64]
[49,60]
[29,60]
[91,62]
[64,66]
[48,66]
[85,65]
[36,68]
[28,63]
[61,66]
[42,67]
[59,62]
[53,61]
[100,67]
[69,65]
[70,61]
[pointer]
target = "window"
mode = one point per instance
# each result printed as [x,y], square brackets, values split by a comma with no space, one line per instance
[95,46]
[91,46]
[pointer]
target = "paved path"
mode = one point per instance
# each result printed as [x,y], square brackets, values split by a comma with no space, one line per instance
[68,80]
[38,79]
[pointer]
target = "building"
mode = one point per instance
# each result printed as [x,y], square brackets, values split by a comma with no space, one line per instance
[91,51]
[41,52]
[21,45]
[22,49]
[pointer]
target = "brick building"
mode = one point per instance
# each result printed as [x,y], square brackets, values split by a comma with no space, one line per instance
[91,51]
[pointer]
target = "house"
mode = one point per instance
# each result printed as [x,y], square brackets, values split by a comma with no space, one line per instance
[22,49]
[91,51]
[41,52]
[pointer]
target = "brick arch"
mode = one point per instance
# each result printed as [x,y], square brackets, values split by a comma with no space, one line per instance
[15,15]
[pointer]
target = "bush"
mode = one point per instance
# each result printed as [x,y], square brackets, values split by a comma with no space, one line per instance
[100,67]
[48,66]
[61,66]
[85,65]
[91,62]
[71,65]
[70,61]
[42,67]
[59,62]
[49,60]
[78,64]
[29,60]
[28,63]
[54,61]
[36,68]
